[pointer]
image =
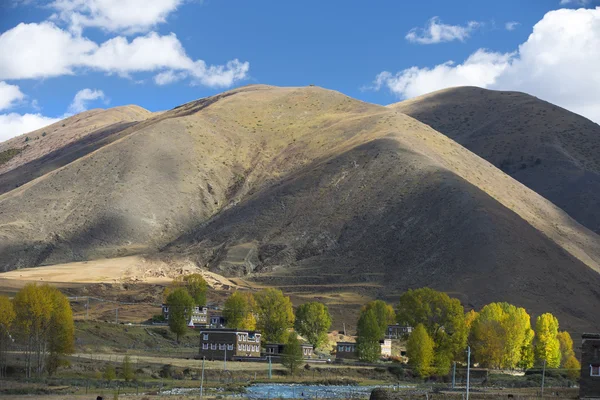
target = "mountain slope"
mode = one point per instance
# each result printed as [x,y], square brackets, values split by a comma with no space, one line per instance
[36,153]
[312,191]
[549,149]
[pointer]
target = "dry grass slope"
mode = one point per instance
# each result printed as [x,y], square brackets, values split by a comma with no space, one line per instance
[547,148]
[314,192]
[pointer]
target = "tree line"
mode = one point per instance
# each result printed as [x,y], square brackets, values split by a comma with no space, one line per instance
[38,320]
[500,334]
[268,310]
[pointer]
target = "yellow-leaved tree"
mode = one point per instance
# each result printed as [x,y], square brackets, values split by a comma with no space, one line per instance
[7,316]
[500,336]
[239,311]
[568,359]
[547,346]
[44,322]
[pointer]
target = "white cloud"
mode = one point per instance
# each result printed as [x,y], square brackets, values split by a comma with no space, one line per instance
[82,97]
[575,2]
[44,50]
[126,16]
[482,68]
[9,95]
[512,25]
[168,77]
[558,63]
[436,32]
[14,124]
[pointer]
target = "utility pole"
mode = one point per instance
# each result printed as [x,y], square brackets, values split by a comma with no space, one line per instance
[543,376]
[344,328]
[225,360]
[468,369]
[454,376]
[270,374]
[202,378]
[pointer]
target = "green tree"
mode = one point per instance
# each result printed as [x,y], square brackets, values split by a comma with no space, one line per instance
[547,347]
[367,342]
[196,287]
[239,311]
[275,315]
[109,373]
[292,353]
[194,284]
[44,322]
[384,313]
[443,318]
[313,321]
[7,316]
[420,351]
[127,372]
[180,305]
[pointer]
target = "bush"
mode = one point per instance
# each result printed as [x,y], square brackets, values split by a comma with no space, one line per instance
[166,371]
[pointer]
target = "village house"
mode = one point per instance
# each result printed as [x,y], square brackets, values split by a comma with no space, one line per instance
[386,348]
[398,331]
[229,344]
[589,382]
[276,350]
[202,316]
[347,350]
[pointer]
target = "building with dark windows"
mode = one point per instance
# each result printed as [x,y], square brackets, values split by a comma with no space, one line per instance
[589,382]
[229,344]
[276,350]
[398,331]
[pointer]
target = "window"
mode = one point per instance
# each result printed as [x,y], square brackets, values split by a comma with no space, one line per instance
[229,347]
[340,348]
[239,347]
[213,346]
[221,346]
[204,346]
[594,370]
[348,348]
[205,336]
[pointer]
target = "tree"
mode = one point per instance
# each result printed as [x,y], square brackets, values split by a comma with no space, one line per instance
[566,345]
[499,333]
[275,315]
[367,343]
[292,353]
[313,321]
[384,313]
[7,316]
[420,351]
[44,321]
[239,311]
[527,351]
[573,367]
[443,318]
[196,287]
[194,284]
[180,305]
[547,347]
[109,373]
[127,372]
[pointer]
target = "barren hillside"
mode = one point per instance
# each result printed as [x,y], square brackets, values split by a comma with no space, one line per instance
[547,148]
[36,153]
[314,192]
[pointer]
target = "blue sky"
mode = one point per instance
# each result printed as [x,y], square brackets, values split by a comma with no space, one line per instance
[362,49]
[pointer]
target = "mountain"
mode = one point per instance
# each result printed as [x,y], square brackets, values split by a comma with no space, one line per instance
[314,192]
[547,148]
[31,155]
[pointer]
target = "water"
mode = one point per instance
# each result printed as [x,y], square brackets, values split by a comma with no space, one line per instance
[293,391]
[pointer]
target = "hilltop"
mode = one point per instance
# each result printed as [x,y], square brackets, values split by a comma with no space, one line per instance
[547,148]
[313,192]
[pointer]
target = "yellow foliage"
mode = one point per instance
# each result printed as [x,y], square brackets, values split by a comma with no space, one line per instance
[547,346]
